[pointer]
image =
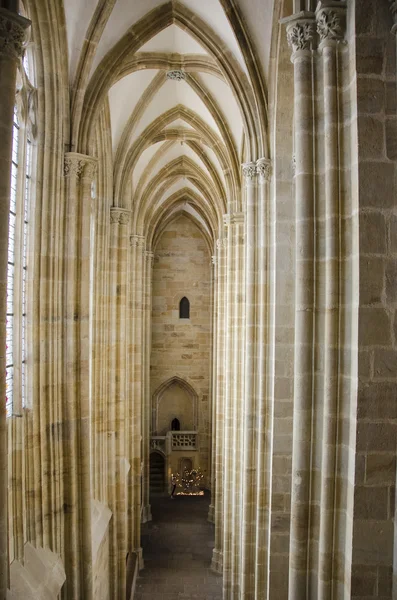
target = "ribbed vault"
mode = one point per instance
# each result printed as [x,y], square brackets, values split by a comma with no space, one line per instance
[184,103]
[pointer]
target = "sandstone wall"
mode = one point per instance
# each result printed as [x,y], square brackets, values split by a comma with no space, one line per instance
[181,347]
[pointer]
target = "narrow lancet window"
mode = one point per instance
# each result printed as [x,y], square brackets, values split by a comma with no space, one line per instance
[184,308]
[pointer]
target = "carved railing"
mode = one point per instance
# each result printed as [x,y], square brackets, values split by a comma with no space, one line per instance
[184,440]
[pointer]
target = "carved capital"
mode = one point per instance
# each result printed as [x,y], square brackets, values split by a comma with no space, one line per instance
[119,215]
[214,260]
[176,75]
[79,165]
[264,169]
[331,21]
[300,35]
[249,172]
[90,168]
[149,257]
[221,243]
[137,241]
[12,33]
[73,165]
[236,218]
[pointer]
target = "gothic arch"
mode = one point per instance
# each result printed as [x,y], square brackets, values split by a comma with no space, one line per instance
[158,394]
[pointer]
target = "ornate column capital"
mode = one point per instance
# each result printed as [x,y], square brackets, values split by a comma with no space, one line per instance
[221,244]
[301,34]
[236,218]
[214,260]
[137,241]
[249,173]
[393,8]
[79,165]
[331,21]
[12,33]
[119,215]
[264,169]
[149,257]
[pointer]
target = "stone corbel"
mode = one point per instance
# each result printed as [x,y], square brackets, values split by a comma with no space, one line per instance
[331,21]
[12,33]
[119,215]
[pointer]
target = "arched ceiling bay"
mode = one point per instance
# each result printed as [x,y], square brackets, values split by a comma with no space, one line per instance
[181,87]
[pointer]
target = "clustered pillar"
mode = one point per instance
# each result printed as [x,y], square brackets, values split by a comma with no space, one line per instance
[315,40]
[243,391]
[12,34]
[79,173]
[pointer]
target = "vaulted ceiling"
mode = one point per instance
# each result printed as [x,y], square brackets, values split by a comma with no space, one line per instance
[183,84]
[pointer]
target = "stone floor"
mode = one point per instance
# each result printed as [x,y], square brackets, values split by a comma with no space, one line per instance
[177,550]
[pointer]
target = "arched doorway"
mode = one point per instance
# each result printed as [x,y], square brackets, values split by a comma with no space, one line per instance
[157,473]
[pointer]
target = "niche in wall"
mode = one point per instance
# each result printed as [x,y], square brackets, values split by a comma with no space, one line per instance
[175,399]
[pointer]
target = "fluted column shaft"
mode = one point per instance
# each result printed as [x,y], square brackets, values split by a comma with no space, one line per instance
[250,392]
[330,20]
[236,399]
[300,33]
[146,399]
[119,219]
[231,224]
[215,300]
[136,308]
[12,31]
[217,557]
[264,370]
[79,173]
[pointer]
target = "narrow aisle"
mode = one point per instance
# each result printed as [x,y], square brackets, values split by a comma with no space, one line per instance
[177,550]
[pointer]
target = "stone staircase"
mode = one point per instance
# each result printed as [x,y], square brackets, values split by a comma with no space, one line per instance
[157,476]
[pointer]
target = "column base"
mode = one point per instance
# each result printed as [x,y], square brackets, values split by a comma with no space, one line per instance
[211,513]
[217,562]
[146,514]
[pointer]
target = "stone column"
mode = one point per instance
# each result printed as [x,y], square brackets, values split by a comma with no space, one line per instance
[79,173]
[249,409]
[233,223]
[136,312]
[146,398]
[119,219]
[217,556]
[264,374]
[300,33]
[214,261]
[12,34]
[330,17]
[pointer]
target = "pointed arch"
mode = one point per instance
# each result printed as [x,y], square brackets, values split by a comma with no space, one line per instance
[158,394]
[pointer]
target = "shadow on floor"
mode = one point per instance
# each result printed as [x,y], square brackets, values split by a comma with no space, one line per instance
[177,551]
